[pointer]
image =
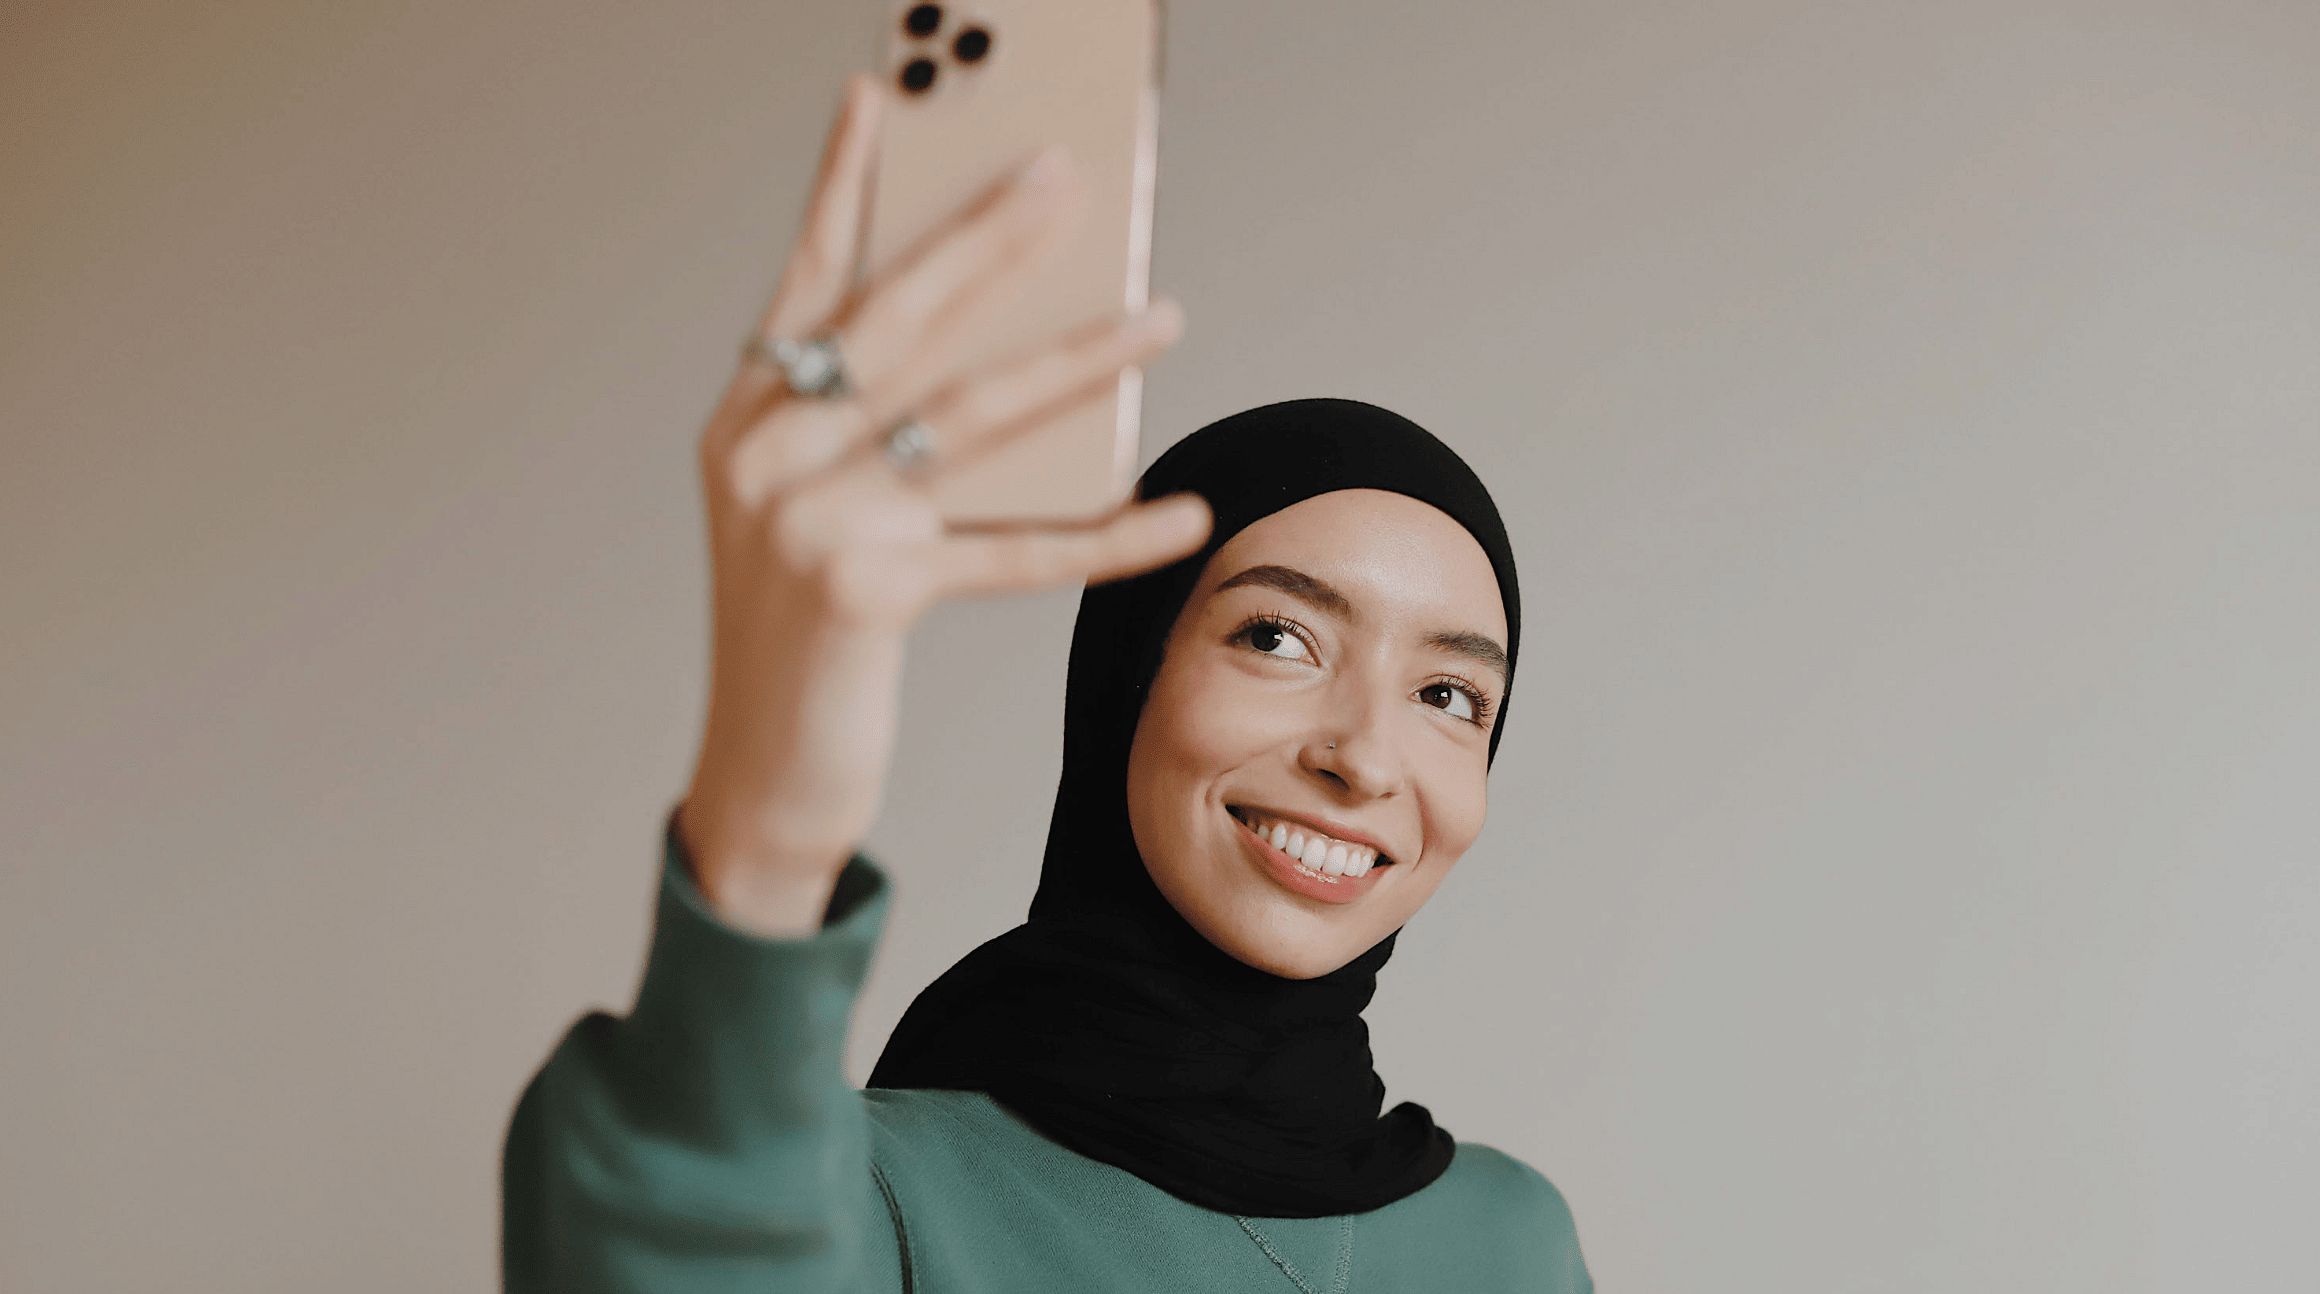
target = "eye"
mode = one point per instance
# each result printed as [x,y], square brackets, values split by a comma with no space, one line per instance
[1453,699]
[1275,638]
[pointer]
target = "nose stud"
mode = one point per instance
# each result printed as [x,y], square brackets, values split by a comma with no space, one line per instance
[1333,745]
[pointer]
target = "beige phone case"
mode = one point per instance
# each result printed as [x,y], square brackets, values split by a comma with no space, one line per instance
[974,89]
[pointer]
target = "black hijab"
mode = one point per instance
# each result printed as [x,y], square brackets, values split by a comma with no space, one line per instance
[1106,1021]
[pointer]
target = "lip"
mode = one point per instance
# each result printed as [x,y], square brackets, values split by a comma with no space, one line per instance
[1293,875]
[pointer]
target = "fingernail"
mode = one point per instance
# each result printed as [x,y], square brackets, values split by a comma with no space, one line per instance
[1162,318]
[1048,168]
[1189,518]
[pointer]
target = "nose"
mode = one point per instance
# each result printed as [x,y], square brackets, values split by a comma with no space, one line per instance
[1356,755]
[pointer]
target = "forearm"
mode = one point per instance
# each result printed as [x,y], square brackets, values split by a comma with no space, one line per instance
[791,765]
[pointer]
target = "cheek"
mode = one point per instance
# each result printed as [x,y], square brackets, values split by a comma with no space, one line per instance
[1208,718]
[1457,800]
[1454,809]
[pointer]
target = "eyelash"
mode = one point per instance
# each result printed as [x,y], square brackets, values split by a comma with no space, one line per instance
[1475,696]
[1274,620]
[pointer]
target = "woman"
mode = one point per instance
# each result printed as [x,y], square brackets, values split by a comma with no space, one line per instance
[1276,745]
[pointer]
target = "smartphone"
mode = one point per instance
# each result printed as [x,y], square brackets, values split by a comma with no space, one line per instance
[974,89]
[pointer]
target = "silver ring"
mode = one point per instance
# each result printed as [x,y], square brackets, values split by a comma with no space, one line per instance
[909,448]
[813,368]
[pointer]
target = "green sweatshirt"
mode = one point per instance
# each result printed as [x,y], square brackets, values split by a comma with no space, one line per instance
[710,1141]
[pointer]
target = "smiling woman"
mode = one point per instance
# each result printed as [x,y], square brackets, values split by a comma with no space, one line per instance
[1276,747]
[1185,1002]
[1311,760]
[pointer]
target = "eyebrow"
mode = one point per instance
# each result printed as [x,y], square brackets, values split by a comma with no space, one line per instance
[1479,648]
[1297,584]
[1475,647]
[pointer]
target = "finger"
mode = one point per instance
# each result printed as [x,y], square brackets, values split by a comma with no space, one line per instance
[1139,538]
[792,440]
[966,421]
[960,271]
[970,419]
[821,263]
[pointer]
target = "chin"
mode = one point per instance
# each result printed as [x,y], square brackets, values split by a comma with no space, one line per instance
[1276,935]
[1297,963]
[1295,967]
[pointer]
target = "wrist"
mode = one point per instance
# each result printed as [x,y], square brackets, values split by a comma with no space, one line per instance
[760,884]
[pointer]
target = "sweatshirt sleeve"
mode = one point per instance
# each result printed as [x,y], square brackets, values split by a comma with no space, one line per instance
[710,1140]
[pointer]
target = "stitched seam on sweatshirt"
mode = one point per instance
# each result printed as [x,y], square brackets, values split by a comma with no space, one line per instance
[981,1136]
[1278,1260]
[894,1214]
[1345,1258]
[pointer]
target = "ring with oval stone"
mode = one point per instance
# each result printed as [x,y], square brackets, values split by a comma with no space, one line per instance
[909,448]
[813,368]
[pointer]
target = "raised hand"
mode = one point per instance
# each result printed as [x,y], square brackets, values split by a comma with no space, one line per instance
[825,552]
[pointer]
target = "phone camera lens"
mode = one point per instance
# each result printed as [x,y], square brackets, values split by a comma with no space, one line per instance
[922,20]
[918,76]
[972,45]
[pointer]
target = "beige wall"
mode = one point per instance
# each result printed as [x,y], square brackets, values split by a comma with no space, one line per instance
[1903,870]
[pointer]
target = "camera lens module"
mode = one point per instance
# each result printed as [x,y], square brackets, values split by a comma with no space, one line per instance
[917,76]
[922,20]
[972,45]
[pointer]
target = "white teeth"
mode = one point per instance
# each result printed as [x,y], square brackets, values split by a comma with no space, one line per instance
[1319,853]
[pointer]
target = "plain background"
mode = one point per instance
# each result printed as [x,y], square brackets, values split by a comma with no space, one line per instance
[1902,870]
